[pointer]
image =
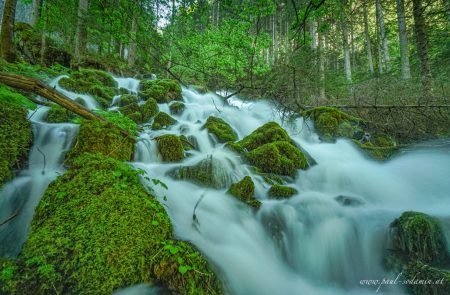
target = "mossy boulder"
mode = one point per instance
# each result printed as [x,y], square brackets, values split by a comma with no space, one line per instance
[269,132]
[331,123]
[162,121]
[438,278]
[244,190]
[170,147]
[97,230]
[280,157]
[126,99]
[149,109]
[380,146]
[177,108]
[103,138]
[58,114]
[277,191]
[15,138]
[162,90]
[95,82]
[209,172]
[221,129]
[141,114]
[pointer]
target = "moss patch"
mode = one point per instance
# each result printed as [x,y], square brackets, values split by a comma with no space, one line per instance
[277,191]
[163,90]
[170,148]
[149,109]
[380,146]
[420,271]
[177,108]
[15,138]
[244,190]
[221,129]
[97,229]
[126,99]
[58,114]
[269,132]
[11,96]
[162,121]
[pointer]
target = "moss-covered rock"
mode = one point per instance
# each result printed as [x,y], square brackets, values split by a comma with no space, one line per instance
[162,121]
[177,108]
[331,123]
[244,190]
[278,157]
[58,114]
[434,280]
[170,148]
[15,138]
[149,109]
[97,83]
[96,230]
[126,99]
[8,271]
[380,146]
[209,172]
[277,191]
[163,91]
[104,138]
[221,129]
[269,132]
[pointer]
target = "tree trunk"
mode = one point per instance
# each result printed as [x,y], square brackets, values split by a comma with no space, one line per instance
[366,32]
[44,36]
[312,32]
[403,41]
[80,36]
[347,65]
[35,12]
[320,49]
[7,50]
[384,45]
[422,44]
[132,47]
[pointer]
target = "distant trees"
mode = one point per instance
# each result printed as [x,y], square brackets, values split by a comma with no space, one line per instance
[6,35]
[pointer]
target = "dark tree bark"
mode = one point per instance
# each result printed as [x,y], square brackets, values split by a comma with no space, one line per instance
[7,50]
[80,36]
[403,40]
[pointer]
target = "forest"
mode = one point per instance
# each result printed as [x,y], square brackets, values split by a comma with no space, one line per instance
[225,147]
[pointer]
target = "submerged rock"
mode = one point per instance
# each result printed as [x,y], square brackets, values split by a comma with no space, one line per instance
[244,190]
[162,121]
[177,108]
[277,191]
[170,147]
[349,201]
[210,172]
[163,90]
[97,230]
[221,129]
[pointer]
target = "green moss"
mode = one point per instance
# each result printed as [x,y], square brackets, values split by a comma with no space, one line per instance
[163,91]
[177,107]
[120,121]
[97,229]
[220,129]
[15,138]
[244,190]
[162,121]
[419,237]
[7,94]
[380,146]
[170,148]
[8,272]
[126,99]
[331,123]
[149,109]
[269,132]
[278,157]
[102,137]
[58,114]
[439,278]
[277,191]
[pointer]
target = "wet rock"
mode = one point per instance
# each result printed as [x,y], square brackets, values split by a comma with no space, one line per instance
[220,129]
[277,191]
[349,201]
[177,108]
[244,190]
[170,147]
[162,121]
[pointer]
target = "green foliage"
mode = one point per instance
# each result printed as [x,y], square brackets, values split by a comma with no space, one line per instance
[221,129]
[277,191]
[170,148]
[120,121]
[162,121]
[14,97]
[103,138]
[244,190]
[163,90]
[97,229]
[15,138]
[176,107]
[8,269]
[58,114]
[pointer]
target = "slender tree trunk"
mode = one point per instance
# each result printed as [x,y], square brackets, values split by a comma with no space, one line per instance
[320,49]
[403,41]
[7,50]
[80,35]
[366,32]
[312,31]
[36,12]
[347,64]
[384,44]
[352,38]
[132,47]
[422,44]
[44,34]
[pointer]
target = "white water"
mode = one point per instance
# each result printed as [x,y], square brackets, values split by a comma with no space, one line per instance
[19,197]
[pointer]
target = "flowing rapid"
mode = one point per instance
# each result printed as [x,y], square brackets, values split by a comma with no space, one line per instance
[311,243]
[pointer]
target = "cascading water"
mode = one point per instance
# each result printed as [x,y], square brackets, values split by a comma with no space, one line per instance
[322,245]
[19,197]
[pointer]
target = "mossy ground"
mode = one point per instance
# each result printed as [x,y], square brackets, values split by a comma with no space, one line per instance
[277,191]
[97,229]
[15,138]
[162,90]
[221,129]
[162,121]
[244,190]
[11,96]
[170,147]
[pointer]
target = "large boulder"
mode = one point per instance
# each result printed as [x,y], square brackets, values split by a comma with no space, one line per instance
[278,191]
[163,90]
[244,191]
[221,129]
[58,114]
[162,121]
[170,147]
